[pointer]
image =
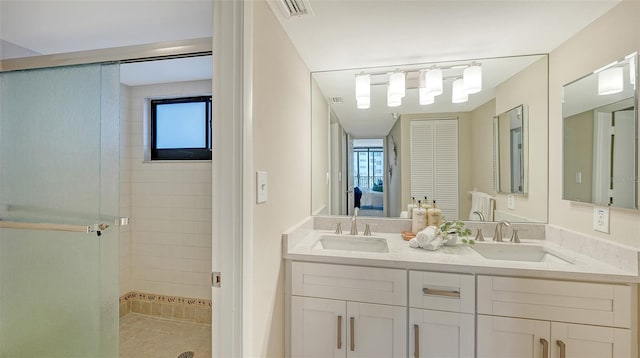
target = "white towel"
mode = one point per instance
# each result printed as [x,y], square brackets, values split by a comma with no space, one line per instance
[480,202]
[427,239]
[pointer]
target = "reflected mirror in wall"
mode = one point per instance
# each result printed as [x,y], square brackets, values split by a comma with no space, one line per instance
[600,136]
[511,145]
[381,178]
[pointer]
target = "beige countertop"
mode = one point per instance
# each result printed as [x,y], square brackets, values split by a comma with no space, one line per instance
[302,244]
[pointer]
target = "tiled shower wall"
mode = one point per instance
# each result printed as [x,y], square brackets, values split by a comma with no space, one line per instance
[167,250]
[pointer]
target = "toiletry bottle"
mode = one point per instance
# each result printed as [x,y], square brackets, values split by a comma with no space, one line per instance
[425,203]
[434,216]
[411,206]
[419,221]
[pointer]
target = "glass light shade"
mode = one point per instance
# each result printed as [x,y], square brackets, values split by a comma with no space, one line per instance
[364,102]
[393,101]
[425,97]
[458,94]
[472,79]
[363,86]
[610,81]
[433,82]
[396,84]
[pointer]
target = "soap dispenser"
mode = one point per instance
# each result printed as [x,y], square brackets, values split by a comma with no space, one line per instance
[419,219]
[434,216]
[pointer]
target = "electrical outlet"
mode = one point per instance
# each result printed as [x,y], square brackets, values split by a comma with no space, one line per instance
[601,219]
[511,202]
[578,177]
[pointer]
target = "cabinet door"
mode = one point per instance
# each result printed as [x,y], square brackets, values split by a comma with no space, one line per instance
[503,337]
[581,341]
[318,328]
[440,334]
[376,331]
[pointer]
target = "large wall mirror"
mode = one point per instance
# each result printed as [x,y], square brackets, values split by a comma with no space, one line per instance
[600,131]
[383,145]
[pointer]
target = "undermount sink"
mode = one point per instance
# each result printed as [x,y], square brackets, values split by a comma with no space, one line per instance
[518,252]
[353,243]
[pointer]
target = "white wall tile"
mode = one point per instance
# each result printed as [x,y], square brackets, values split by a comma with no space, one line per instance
[169,204]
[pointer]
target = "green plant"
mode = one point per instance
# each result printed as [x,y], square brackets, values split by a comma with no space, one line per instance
[449,228]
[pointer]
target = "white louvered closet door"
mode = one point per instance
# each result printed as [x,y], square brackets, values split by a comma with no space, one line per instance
[434,163]
[422,159]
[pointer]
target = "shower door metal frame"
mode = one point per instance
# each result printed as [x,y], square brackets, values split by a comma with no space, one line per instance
[227,256]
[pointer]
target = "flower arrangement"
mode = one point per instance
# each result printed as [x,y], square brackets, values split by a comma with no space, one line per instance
[451,230]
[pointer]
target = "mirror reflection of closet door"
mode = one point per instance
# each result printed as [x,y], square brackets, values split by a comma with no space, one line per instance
[516,160]
[349,198]
[623,169]
[614,157]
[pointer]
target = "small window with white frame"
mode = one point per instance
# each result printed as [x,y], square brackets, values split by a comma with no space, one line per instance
[180,128]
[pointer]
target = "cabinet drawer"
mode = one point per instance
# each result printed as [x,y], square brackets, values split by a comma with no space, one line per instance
[565,301]
[352,283]
[442,291]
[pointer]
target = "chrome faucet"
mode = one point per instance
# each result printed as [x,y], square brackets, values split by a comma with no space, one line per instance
[497,236]
[354,226]
[480,215]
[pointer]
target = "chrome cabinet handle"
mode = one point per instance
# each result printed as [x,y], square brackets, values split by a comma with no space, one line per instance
[416,344]
[563,348]
[339,340]
[452,294]
[545,348]
[352,333]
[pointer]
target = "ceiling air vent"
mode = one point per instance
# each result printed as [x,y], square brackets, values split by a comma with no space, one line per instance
[291,8]
[336,100]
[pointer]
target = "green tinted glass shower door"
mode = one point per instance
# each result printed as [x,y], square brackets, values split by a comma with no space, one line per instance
[59,171]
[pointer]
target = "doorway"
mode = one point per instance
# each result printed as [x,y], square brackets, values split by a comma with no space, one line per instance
[368,171]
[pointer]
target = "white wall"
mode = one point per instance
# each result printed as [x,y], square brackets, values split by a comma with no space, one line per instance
[482,147]
[170,208]
[282,131]
[611,37]
[320,197]
[529,87]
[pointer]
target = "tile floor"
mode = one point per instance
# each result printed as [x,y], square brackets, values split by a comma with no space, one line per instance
[151,337]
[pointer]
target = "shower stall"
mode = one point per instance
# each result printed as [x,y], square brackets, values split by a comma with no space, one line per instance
[59,211]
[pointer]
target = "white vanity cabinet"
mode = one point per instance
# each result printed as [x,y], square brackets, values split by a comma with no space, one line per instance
[520,317]
[441,315]
[347,311]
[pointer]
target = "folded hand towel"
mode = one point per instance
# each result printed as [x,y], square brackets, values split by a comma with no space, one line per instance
[480,202]
[427,239]
[434,244]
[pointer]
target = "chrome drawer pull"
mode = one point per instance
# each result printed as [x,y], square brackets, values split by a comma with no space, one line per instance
[353,339]
[545,348]
[432,292]
[339,332]
[416,330]
[563,348]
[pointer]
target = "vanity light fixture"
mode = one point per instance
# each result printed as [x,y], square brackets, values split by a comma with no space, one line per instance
[363,91]
[393,101]
[433,81]
[632,69]
[458,94]
[472,78]
[396,89]
[610,81]
[425,97]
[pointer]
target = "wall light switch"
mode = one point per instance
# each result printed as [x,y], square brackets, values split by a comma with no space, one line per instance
[578,177]
[511,202]
[261,187]
[601,219]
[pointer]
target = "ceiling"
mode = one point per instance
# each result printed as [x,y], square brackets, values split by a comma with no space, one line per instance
[345,34]
[344,37]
